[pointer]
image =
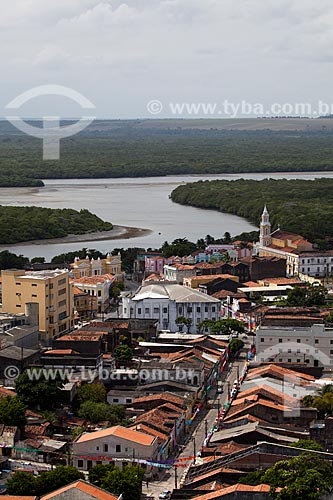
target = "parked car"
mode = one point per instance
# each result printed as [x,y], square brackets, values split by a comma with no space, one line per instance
[165,495]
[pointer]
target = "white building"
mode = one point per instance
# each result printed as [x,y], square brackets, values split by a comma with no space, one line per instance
[311,344]
[114,442]
[98,287]
[166,302]
[317,264]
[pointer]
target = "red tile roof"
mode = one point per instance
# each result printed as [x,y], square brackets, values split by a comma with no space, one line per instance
[82,486]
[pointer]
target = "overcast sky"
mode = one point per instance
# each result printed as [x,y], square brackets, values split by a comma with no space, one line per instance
[120,55]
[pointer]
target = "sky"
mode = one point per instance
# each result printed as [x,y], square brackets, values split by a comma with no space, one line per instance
[121,55]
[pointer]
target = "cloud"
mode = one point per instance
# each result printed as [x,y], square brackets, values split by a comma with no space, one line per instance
[123,52]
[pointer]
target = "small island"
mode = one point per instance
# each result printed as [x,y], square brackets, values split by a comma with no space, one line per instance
[19,224]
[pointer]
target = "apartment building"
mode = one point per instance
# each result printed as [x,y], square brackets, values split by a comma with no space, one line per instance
[46,295]
[311,344]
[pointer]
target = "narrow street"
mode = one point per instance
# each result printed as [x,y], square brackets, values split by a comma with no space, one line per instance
[172,476]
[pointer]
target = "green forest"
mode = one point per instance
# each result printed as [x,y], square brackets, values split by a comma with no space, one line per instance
[127,150]
[301,206]
[19,224]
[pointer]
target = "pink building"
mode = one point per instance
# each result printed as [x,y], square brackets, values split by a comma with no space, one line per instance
[154,264]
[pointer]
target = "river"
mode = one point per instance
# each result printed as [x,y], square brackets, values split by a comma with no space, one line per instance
[142,202]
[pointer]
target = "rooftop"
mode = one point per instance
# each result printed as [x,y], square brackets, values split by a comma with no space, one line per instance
[120,432]
[177,293]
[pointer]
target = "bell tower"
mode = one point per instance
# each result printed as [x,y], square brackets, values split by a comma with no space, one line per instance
[265,229]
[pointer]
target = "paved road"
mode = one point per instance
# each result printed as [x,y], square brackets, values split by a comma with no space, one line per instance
[168,481]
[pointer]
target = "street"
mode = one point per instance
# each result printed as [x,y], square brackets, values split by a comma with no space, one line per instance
[172,477]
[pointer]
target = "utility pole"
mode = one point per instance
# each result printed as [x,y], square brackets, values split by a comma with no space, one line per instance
[176,478]
[194,450]
[206,428]
[237,367]
[218,408]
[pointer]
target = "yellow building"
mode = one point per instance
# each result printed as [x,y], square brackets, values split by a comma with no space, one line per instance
[195,281]
[281,244]
[82,268]
[47,294]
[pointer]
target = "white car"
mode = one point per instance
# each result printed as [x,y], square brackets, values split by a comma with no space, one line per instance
[165,495]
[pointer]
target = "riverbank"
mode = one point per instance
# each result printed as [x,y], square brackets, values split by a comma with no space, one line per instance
[117,233]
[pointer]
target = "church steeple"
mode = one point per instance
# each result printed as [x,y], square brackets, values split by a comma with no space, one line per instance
[265,229]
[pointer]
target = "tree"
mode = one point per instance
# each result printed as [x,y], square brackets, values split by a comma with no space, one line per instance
[304,477]
[306,297]
[10,260]
[126,482]
[21,484]
[324,404]
[98,473]
[227,238]
[24,483]
[187,322]
[92,392]
[56,478]
[307,444]
[37,260]
[235,346]
[101,412]
[12,412]
[36,391]
[76,432]
[123,353]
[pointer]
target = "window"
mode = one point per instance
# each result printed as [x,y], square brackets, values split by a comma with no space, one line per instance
[106,448]
[198,309]
[316,341]
[62,303]
[165,310]
[298,360]
[289,351]
[331,351]
[139,310]
[33,284]
[289,360]
[51,286]
[280,340]
[213,309]
[189,309]
[97,448]
[156,310]
[34,295]
[262,340]
[128,400]
[146,310]
[62,281]
[18,305]
[331,341]
[206,309]
[99,293]
[80,464]
[17,283]
[298,341]
[118,448]
[62,291]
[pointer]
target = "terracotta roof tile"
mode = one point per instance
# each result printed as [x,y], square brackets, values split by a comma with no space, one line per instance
[121,432]
[87,488]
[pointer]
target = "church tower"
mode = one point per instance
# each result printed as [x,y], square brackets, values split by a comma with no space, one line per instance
[265,229]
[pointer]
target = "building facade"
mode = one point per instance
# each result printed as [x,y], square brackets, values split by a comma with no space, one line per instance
[46,294]
[114,442]
[281,244]
[304,344]
[166,302]
[90,267]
